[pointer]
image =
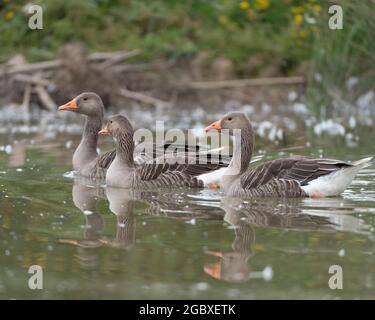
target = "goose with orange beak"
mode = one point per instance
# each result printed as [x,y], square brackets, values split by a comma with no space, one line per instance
[286,177]
[86,160]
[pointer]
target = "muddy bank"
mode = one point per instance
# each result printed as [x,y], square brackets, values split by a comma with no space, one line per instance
[120,79]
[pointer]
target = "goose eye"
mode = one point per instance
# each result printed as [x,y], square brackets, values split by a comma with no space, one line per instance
[110,122]
[229,119]
[84,99]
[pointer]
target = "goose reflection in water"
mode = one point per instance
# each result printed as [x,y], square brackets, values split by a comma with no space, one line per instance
[86,198]
[289,214]
[292,214]
[121,203]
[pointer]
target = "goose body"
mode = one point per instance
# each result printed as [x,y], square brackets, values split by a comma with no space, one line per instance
[285,177]
[169,171]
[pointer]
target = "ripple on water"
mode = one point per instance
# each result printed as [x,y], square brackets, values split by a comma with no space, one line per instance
[70,174]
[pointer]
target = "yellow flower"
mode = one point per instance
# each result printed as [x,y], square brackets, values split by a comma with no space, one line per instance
[244,5]
[317,8]
[262,4]
[9,15]
[298,19]
[223,19]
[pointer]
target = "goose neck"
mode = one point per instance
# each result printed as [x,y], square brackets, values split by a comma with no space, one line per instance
[90,132]
[125,149]
[242,149]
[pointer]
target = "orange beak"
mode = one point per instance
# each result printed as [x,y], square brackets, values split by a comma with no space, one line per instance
[214,270]
[214,126]
[70,106]
[104,131]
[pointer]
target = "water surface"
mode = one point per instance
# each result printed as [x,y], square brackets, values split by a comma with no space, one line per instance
[97,242]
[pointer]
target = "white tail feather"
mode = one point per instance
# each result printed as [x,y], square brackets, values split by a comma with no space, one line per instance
[336,182]
[212,177]
[363,162]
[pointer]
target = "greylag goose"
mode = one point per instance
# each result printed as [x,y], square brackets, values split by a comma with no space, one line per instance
[285,177]
[123,172]
[86,160]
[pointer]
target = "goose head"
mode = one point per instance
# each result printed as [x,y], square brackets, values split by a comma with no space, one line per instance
[118,127]
[231,121]
[87,103]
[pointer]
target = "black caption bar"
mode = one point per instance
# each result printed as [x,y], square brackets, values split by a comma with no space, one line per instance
[180,309]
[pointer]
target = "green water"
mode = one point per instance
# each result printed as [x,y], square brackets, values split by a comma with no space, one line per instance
[94,242]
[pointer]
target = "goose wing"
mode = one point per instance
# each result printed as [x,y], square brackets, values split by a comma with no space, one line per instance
[191,165]
[105,159]
[301,170]
[146,153]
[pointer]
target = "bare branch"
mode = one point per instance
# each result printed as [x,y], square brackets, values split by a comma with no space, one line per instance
[206,85]
[143,98]
[119,58]
[31,79]
[45,98]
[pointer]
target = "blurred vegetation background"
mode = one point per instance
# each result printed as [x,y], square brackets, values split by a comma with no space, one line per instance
[257,37]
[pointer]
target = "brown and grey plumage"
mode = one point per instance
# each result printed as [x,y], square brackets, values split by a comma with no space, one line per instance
[171,170]
[86,160]
[144,153]
[286,177]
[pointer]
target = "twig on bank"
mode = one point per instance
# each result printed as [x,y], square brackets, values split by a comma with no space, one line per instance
[206,85]
[30,67]
[26,98]
[143,98]
[45,98]
[111,57]
[97,56]
[119,58]
[144,66]
[31,79]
